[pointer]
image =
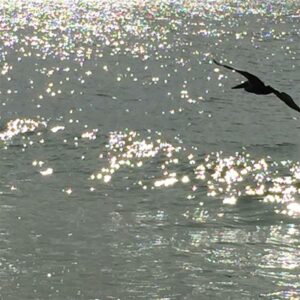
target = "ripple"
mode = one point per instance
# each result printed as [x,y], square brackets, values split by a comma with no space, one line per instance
[21,126]
[227,178]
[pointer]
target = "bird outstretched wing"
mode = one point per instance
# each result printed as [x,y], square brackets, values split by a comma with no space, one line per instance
[252,78]
[287,99]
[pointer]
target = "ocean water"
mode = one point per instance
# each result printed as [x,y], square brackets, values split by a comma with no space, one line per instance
[129,167]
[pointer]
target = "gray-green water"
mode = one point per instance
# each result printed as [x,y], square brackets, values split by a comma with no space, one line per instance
[130,169]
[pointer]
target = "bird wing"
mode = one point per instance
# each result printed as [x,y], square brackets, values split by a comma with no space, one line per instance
[252,78]
[287,99]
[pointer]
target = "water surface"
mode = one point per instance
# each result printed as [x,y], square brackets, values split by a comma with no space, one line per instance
[130,169]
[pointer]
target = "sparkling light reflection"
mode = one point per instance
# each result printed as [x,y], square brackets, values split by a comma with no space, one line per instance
[228,178]
[21,126]
[68,46]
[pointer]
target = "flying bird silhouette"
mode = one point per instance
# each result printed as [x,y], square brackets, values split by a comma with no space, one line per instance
[256,86]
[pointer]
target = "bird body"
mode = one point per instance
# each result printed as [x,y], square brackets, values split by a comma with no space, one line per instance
[256,86]
[257,89]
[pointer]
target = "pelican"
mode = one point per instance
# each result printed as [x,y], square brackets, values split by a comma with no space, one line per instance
[256,86]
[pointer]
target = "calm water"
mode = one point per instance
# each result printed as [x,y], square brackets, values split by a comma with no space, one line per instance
[130,169]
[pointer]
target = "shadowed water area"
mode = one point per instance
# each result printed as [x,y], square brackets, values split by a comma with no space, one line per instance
[129,167]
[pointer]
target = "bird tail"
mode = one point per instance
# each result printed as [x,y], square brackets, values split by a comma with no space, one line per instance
[240,86]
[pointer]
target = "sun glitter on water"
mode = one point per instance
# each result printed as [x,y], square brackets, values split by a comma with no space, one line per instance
[226,178]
